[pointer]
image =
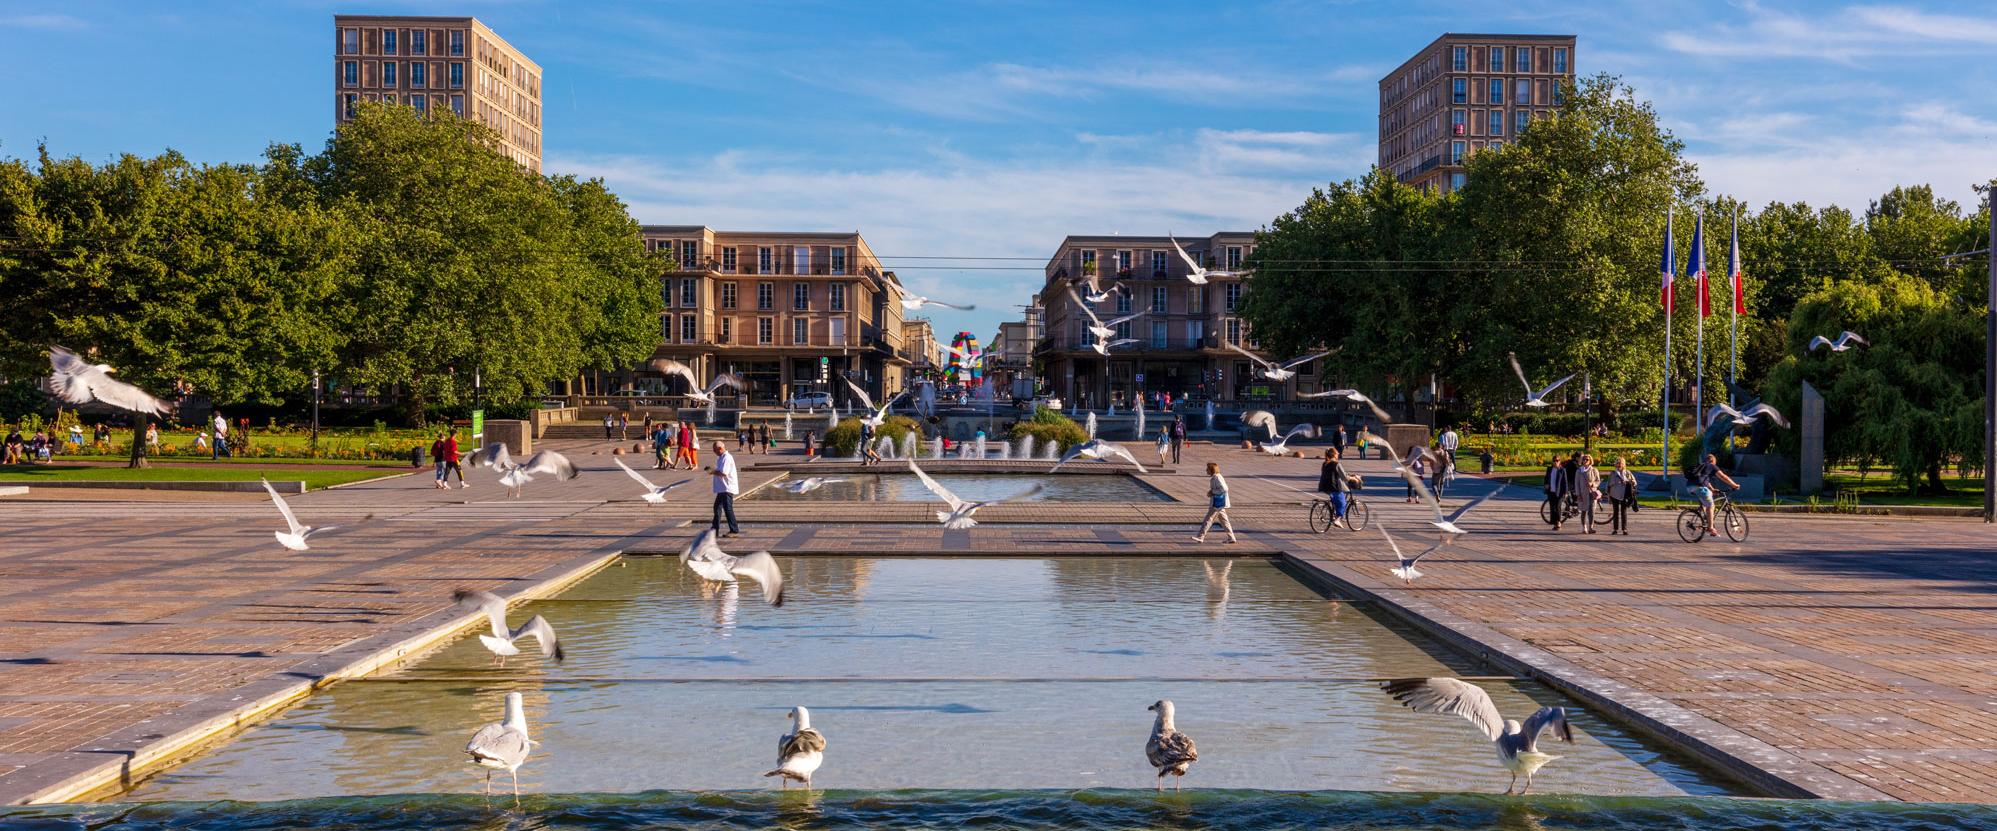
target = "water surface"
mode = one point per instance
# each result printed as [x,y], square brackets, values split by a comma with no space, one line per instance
[904,487]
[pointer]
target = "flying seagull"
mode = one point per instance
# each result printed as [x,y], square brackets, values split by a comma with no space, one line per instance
[703,396]
[1168,750]
[1279,372]
[808,483]
[1194,272]
[1518,744]
[959,515]
[1282,446]
[516,475]
[1406,569]
[910,301]
[1536,398]
[706,558]
[1446,523]
[1102,329]
[1102,347]
[503,745]
[1745,418]
[505,643]
[800,751]
[1098,450]
[655,494]
[1356,396]
[1097,293]
[295,538]
[878,416]
[77,381]
[1843,342]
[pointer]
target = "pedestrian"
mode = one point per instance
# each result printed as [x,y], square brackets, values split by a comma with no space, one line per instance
[152,436]
[1448,444]
[1416,463]
[867,455]
[1587,490]
[623,425]
[609,424]
[1338,438]
[1555,488]
[1486,462]
[102,433]
[1178,437]
[810,444]
[741,438]
[648,425]
[437,462]
[452,461]
[1164,442]
[672,429]
[219,448]
[764,438]
[15,446]
[1336,485]
[689,445]
[727,483]
[1622,497]
[660,444]
[1441,468]
[1217,503]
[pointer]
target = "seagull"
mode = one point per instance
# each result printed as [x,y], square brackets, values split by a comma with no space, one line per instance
[1096,293]
[1194,272]
[295,538]
[1448,523]
[77,381]
[879,416]
[1284,371]
[703,396]
[654,494]
[808,483]
[1406,570]
[1356,396]
[516,475]
[1103,347]
[503,745]
[1098,450]
[800,751]
[910,301]
[1278,448]
[1102,329]
[959,515]
[706,558]
[1843,342]
[1168,750]
[1745,418]
[505,643]
[1518,744]
[1532,398]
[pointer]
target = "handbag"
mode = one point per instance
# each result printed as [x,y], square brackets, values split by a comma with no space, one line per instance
[1218,501]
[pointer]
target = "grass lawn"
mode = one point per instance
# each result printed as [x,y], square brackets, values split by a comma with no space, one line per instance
[1880,489]
[31,474]
[199,461]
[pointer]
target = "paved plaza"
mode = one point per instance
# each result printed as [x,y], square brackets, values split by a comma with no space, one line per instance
[1830,656]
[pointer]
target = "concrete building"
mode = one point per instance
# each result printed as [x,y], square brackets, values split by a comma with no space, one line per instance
[1463,93]
[1182,337]
[1009,358]
[789,312]
[920,336]
[440,64]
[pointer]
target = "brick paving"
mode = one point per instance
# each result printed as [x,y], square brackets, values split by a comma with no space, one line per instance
[1840,657]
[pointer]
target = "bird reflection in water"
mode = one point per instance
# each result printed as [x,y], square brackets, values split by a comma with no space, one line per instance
[726,597]
[1219,586]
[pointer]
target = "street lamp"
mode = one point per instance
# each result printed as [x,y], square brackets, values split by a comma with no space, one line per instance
[315,412]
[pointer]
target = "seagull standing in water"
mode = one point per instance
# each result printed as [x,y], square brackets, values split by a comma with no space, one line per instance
[78,381]
[1843,342]
[1278,372]
[1168,750]
[800,751]
[1098,450]
[1194,271]
[705,557]
[505,643]
[1517,744]
[959,515]
[503,745]
[295,538]
[1536,398]
[655,494]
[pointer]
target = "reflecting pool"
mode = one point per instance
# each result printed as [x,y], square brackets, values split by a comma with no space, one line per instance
[904,487]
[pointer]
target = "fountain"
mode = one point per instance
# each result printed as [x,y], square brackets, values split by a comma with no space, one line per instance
[1052,452]
[787,436]
[963,450]
[1209,414]
[1140,419]
[1112,409]
[1004,450]
[1026,446]
[831,420]
[1089,426]
[936,447]
[884,448]
[908,445]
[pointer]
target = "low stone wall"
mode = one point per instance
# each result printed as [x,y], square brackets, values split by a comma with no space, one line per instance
[540,419]
[517,435]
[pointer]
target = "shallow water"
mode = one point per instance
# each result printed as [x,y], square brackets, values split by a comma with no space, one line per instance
[1024,810]
[904,487]
[924,673]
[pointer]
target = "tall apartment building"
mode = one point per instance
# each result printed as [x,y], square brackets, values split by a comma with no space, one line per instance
[438,64]
[1181,339]
[787,311]
[1464,93]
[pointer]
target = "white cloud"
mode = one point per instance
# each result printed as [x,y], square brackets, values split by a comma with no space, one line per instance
[1842,35]
[1926,143]
[42,21]
[1000,91]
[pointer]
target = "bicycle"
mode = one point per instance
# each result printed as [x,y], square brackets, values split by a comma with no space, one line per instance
[1356,514]
[1571,508]
[1692,525]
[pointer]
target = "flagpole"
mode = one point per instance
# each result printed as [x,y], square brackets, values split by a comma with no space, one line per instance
[1699,362]
[1670,266]
[1733,309]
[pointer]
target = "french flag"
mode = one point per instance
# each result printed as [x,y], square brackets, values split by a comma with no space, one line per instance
[1733,268]
[1695,265]
[1669,265]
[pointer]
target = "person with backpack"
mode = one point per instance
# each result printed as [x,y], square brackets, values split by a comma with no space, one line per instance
[1178,437]
[1621,491]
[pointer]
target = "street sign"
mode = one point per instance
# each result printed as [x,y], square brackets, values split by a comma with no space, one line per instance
[1140,378]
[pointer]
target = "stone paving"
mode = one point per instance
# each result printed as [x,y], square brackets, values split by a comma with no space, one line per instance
[1830,656]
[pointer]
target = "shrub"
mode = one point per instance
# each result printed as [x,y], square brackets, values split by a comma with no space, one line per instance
[1049,426]
[845,438]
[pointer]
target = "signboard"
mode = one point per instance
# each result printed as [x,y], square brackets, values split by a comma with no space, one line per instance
[478,428]
[1140,379]
[824,369]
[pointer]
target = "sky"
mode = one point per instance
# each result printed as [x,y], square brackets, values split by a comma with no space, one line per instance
[994,129]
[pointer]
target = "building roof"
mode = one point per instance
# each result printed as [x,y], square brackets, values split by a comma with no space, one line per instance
[1447,36]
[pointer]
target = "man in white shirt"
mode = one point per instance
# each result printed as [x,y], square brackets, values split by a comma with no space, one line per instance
[727,483]
[1449,442]
[221,446]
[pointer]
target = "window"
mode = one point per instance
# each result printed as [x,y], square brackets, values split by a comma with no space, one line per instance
[1496,145]
[728,294]
[1456,180]
[727,329]
[1497,127]
[1233,296]
[1457,126]
[836,297]
[1234,256]
[419,42]
[1088,260]
[689,328]
[1459,91]
[458,105]
[1560,60]
[765,261]
[1524,62]
[1234,332]
[689,291]
[418,74]
[1520,121]
[457,76]
[1122,261]
[800,296]
[1196,332]
[1497,90]
[388,41]
[350,73]
[421,103]
[1497,59]
[1159,303]
[766,329]
[1522,91]
[1123,302]
[728,259]
[1459,60]
[766,296]
[800,331]
[1158,337]
[388,74]
[351,100]
[800,259]
[689,253]
[1123,330]
[1158,263]
[1196,299]
[837,336]
[839,259]
[1559,93]
[350,41]
[457,42]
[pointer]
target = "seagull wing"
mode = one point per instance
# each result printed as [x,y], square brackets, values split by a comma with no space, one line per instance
[1391,544]
[725,379]
[1554,386]
[1296,362]
[649,487]
[489,603]
[548,461]
[1449,696]
[937,488]
[1553,718]
[1459,512]
[495,455]
[1850,337]
[125,396]
[1120,451]
[71,375]
[1767,410]
[1072,454]
[1084,307]
[1427,498]
[1307,430]
[1025,494]
[762,568]
[1260,418]
[672,367]
[1714,412]
[495,742]
[1817,341]
[543,634]
[1520,371]
[963,308]
[1444,543]
[866,401]
[290,518]
[1252,356]
[1182,254]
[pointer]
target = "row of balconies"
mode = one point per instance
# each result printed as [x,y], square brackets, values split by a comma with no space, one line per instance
[779,266]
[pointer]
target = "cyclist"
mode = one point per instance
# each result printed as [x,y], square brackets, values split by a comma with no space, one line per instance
[1700,478]
[1333,482]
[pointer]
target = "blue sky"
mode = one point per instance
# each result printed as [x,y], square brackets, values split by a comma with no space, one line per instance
[993,129]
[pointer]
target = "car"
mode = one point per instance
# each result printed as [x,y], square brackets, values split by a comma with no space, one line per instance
[810,400]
